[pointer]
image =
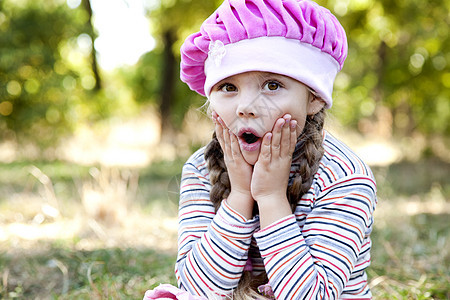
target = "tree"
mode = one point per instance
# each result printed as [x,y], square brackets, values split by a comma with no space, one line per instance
[171,22]
[395,81]
[91,32]
[396,76]
[46,77]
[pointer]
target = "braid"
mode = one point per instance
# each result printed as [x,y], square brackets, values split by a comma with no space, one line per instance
[218,175]
[307,156]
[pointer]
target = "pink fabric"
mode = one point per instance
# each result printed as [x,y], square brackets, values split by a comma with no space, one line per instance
[291,58]
[248,265]
[167,291]
[236,20]
[266,290]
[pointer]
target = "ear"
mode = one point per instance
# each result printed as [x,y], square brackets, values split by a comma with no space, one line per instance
[315,104]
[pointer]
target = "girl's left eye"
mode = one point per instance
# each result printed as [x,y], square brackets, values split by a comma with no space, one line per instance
[272,85]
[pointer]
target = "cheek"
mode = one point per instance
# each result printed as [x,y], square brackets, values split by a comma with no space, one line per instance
[214,107]
[225,112]
[298,113]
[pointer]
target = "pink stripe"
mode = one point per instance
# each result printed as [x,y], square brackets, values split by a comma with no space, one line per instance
[207,240]
[284,220]
[348,205]
[191,235]
[357,248]
[192,266]
[234,212]
[195,175]
[197,211]
[342,271]
[369,242]
[338,158]
[315,287]
[191,184]
[364,262]
[294,273]
[359,283]
[351,179]
[282,248]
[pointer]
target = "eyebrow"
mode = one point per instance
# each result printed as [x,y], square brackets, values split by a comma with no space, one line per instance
[269,74]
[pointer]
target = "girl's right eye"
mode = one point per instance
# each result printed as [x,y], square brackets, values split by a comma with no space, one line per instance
[228,87]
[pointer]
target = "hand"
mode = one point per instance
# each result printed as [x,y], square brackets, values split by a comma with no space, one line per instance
[239,171]
[271,172]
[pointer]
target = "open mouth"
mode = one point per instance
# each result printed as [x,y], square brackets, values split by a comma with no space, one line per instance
[249,137]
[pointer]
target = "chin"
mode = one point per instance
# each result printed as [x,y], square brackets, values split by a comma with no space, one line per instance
[251,158]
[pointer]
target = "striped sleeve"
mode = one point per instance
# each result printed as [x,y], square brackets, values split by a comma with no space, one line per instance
[212,248]
[319,259]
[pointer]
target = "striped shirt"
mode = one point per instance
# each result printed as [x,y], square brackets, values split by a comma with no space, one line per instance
[320,251]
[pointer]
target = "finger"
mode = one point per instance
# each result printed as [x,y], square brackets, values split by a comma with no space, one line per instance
[265,153]
[214,116]
[235,148]
[219,134]
[286,136]
[293,143]
[224,138]
[227,143]
[276,138]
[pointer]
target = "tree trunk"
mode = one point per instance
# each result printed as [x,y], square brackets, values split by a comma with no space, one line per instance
[91,33]
[167,86]
[382,116]
[378,91]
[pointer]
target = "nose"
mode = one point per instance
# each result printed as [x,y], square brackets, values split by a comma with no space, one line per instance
[248,107]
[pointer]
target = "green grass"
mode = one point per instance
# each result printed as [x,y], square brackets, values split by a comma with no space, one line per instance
[64,273]
[410,258]
[410,254]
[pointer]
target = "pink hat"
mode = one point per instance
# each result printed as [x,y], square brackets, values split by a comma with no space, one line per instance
[295,38]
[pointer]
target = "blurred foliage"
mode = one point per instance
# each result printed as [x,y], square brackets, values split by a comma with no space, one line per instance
[177,19]
[46,80]
[397,73]
[145,81]
[396,79]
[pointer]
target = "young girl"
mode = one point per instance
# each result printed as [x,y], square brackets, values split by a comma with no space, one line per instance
[273,205]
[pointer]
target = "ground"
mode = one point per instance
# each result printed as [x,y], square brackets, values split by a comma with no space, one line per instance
[70,230]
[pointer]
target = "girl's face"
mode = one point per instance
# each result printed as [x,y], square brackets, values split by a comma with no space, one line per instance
[251,102]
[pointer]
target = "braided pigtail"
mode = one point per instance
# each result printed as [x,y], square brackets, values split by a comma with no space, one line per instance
[306,160]
[218,175]
[306,157]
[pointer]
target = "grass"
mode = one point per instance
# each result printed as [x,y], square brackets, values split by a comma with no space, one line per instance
[112,232]
[61,272]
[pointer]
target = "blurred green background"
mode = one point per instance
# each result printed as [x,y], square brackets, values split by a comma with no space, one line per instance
[92,144]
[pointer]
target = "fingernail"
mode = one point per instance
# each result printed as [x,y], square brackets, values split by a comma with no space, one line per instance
[293,124]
